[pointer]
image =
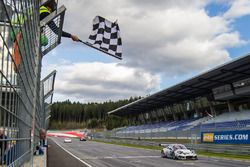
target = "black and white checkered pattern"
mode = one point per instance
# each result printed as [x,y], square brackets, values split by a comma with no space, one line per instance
[106,37]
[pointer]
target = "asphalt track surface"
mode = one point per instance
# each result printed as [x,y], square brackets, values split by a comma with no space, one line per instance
[95,154]
[57,157]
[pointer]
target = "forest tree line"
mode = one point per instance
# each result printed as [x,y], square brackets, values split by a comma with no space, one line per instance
[71,115]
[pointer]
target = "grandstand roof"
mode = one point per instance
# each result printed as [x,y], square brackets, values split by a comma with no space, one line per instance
[200,85]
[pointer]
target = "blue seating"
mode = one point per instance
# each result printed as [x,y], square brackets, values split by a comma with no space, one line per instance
[184,124]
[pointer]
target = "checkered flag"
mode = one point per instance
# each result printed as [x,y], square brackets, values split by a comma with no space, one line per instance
[106,37]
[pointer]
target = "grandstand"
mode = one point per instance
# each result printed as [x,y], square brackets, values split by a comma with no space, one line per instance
[217,100]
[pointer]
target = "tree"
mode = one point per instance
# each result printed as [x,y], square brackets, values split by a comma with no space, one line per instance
[91,115]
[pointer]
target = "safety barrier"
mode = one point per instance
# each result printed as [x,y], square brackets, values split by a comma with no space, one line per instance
[218,148]
[157,133]
[24,98]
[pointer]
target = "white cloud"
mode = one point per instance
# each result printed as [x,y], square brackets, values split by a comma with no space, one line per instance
[238,8]
[176,44]
[165,34]
[167,38]
[228,40]
[99,81]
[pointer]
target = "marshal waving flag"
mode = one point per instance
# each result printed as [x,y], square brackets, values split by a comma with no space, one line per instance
[105,36]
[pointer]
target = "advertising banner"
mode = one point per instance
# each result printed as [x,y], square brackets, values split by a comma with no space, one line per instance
[226,137]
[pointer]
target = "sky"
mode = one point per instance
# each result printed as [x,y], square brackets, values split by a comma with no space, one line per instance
[164,43]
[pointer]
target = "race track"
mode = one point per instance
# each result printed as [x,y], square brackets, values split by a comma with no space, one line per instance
[94,154]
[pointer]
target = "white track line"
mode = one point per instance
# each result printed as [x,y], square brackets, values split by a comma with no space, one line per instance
[130,157]
[72,154]
[121,157]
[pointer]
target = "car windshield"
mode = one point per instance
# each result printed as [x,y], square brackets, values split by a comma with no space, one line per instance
[179,146]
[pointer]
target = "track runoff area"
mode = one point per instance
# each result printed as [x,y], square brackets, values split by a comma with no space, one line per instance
[95,154]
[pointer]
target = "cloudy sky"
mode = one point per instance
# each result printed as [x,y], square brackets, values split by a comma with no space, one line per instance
[164,43]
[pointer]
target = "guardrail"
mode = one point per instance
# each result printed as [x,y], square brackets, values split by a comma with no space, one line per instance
[172,134]
[231,149]
[192,139]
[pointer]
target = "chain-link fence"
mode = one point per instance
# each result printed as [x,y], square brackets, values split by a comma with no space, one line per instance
[22,95]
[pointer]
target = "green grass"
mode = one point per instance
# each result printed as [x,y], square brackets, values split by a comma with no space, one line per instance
[224,155]
[202,153]
[129,145]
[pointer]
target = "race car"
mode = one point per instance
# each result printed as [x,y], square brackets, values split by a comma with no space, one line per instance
[67,140]
[83,139]
[177,151]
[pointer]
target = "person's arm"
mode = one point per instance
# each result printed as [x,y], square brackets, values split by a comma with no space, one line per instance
[55,29]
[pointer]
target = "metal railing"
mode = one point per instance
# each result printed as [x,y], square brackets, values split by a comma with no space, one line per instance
[157,133]
[230,149]
[51,27]
[24,98]
[47,90]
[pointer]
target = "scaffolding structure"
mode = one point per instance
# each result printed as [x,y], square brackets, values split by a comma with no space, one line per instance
[24,98]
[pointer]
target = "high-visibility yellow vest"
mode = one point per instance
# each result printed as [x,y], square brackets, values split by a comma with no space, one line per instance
[44,9]
[18,20]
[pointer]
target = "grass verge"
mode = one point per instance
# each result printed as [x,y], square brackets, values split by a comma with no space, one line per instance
[129,145]
[202,153]
[224,155]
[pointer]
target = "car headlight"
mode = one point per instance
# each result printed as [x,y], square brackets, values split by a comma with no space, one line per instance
[193,151]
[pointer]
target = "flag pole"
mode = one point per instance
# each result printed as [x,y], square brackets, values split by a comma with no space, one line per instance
[86,43]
